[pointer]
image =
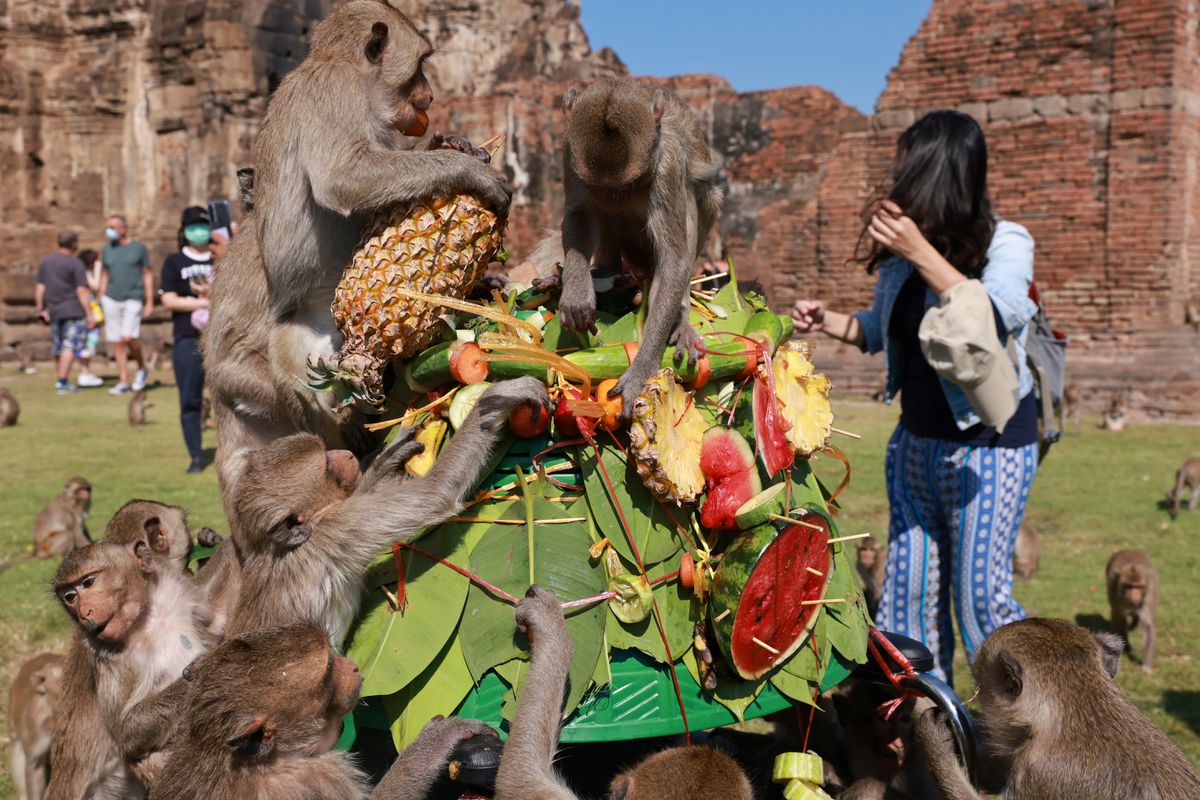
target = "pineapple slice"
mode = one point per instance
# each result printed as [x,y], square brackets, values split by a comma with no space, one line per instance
[438,247]
[665,438]
[804,396]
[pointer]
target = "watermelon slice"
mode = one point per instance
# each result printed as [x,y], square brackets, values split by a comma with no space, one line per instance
[770,426]
[729,472]
[763,581]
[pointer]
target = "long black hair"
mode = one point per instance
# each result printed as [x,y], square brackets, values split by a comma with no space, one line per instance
[939,179]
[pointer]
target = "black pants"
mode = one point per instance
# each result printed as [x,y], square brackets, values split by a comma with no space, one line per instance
[189,378]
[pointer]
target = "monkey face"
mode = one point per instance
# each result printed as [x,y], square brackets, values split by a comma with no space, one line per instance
[867,555]
[104,587]
[1134,594]
[47,682]
[80,492]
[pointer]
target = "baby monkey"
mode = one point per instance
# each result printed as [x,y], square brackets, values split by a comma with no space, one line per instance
[641,189]
[527,766]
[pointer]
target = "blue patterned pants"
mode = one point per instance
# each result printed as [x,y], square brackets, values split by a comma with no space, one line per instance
[955,512]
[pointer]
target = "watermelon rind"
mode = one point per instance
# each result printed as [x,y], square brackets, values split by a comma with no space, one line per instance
[758,509]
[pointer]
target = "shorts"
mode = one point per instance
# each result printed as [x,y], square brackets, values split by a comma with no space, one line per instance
[122,319]
[68,334]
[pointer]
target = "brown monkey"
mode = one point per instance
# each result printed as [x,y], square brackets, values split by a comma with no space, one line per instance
[1027,554]
[1117,415]
[1133,599]
[871,566]
[263,713]
[60,527]
[143,622]
[307,523]
[1071,408]
[527,766]
[641,187]
[31,704]
[163,527]
[331,150]
[1052,710]
[1187,480]
[10,409]
[137,409]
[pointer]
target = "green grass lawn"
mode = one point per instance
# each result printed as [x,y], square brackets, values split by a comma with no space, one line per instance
[1096,493]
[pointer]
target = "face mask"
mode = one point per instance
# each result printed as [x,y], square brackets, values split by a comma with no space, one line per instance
[197,234]
[111,234]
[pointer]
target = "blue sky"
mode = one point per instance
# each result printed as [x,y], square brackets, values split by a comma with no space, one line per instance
[847,46]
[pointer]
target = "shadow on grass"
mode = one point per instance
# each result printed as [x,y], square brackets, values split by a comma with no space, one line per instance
[1093,622]
[1184,705]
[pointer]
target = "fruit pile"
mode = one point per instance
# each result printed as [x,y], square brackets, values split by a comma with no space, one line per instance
[693,538]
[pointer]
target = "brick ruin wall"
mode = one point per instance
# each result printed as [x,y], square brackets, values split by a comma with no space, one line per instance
[1092,112]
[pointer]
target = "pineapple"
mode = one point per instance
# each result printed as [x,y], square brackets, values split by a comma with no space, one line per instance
[665,437]
[804,395]
[438,247]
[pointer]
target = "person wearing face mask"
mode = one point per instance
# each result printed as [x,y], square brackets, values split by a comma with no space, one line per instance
[126,296]
[185,279]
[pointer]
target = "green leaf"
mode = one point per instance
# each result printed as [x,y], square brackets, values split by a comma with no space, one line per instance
[678,616]
[513,556]
[735,695]
[651,524]
[812,659]
[440,689]
[797,688]
[618,331]
[848,622]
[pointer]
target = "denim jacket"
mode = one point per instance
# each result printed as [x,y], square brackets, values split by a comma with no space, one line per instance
[1007,277]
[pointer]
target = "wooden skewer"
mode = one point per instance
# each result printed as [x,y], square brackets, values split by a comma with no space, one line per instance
[848,538]
[764,645]
[395,601]
[721,616]
[789,520]
[823,602]
[706,278]
[845,433]
[816,572]
[494,144]
[562,521]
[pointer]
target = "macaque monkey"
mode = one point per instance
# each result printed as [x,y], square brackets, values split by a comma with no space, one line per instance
[333,147]
[1133,599]
[1117,415]
[32,701]
[143,621]
[641,188]
[1071,408]
[1187,481]
[137,409]
[10,409]
[1027,554]
[307,523]
[1053,713]
[60,528]
[527,765]
[263,713]
[871,566]
[163,527]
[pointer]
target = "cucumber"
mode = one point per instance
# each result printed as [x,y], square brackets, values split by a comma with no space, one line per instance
[798,766]
[464,401]
[758,509]
[803,790]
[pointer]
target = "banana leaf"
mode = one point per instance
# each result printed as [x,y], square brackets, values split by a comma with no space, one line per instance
[440,689]
[651,524]
[679,616]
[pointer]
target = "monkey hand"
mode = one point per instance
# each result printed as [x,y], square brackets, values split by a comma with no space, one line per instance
[207,537]
[933,734]
[686,340]
[391,460]
[459,143]
[502,398]
[441,735]
[630,386]
[539,615]
[479,179]
[577,305]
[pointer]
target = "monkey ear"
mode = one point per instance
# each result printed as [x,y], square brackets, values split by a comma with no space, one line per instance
[568,101]
[144,555]
[1013,674]
[622,787]
[254,739]
[39,683]
[377,43]
[1111,648]
[658,104]
[155,534]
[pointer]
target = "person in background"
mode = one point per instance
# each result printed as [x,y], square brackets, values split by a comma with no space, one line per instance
[62,301]
[185,278]
[126,296]
[92,269]
[951,299]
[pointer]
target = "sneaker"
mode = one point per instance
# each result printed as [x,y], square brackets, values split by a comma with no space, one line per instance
[64,387]
[120,388]
[139,379]
[197,465]
[90,381]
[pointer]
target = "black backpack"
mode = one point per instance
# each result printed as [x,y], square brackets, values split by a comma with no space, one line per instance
[1046,355]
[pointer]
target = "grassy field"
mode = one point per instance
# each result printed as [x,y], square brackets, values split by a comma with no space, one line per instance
[1096,493]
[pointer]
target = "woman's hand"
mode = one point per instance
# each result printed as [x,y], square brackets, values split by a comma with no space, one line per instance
[898,233]
[809,315]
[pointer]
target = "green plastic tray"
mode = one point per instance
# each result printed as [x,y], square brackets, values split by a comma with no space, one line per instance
[640,703]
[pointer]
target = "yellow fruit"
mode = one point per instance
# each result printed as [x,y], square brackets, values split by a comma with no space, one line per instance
[438,247]
[665,438]
[804,396]
[430,435]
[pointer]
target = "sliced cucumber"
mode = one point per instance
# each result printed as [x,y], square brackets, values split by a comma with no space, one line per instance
[758,509]
[798,766]
[465,400]
[803,790]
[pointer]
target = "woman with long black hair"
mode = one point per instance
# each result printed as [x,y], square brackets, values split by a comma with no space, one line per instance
[961,462]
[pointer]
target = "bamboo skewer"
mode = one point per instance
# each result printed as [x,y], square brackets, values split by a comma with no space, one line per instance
[706,278]
[816,572]
[845,433]
[764,645]
[721,616]
[562,521]
[825,602]
[848,538]
[791,521]
[493,144]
